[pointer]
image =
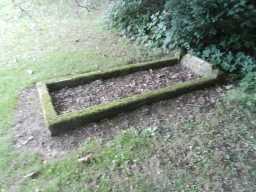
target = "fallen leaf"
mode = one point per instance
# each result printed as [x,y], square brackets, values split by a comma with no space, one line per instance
[86,159]
[32,175]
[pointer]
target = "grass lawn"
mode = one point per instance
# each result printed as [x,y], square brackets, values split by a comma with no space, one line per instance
[215,152]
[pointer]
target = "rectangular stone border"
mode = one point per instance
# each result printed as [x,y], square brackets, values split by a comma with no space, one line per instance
[58,124]
[120,71]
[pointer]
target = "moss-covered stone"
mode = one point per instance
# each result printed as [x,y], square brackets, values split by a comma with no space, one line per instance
[49,112]
[124,70]
[69,121]
[198,66]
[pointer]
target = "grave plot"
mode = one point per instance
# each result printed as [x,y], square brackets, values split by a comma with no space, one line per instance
[71,102]
[107,90]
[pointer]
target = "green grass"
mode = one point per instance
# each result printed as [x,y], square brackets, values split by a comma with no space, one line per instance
[108,159]
[215,153]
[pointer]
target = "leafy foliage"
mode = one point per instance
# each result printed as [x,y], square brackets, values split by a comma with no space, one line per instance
[228,61]
[139,20]
[219,30]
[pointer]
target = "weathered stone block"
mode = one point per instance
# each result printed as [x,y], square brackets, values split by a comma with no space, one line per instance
[198,66]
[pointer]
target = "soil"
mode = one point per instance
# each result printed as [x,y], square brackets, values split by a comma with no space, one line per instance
[32,135]
[105,91]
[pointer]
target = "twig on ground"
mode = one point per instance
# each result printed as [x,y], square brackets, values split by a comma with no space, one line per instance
[22,10]
[82,6]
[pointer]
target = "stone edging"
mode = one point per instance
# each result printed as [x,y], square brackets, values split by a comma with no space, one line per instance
[58,124]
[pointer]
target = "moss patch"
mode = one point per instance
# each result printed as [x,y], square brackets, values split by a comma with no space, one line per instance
[120,71]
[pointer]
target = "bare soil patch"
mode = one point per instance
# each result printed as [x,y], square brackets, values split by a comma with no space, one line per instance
[105,91]
[32,135]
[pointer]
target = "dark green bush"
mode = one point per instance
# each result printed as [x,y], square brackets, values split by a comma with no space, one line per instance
[199,23]
[219,30]
[229,61]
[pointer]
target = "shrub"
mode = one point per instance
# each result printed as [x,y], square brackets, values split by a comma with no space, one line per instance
[199,23]
[228,61]
[219,30]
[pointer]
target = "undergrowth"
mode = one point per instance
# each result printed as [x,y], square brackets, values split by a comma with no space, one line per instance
[245,94]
